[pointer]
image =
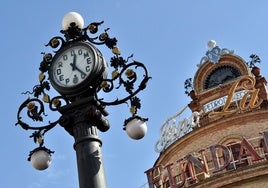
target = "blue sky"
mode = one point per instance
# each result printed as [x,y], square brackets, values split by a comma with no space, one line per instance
[169,37]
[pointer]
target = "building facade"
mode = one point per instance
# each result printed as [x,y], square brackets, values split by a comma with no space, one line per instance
[224,143]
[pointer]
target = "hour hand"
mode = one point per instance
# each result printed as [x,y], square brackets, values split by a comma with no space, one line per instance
[73,66]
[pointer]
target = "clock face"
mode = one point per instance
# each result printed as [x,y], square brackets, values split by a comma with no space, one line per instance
[221,75]
[72,65]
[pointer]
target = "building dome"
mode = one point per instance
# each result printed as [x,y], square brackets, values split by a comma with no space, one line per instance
[224,143]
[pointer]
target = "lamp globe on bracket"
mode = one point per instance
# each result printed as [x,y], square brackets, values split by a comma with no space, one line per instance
[72,17]
[40,159]
[136,127]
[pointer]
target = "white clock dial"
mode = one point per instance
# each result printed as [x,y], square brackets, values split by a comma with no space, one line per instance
[72,66]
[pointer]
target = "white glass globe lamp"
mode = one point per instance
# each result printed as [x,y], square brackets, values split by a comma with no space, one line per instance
[136,128]
[72,17]
[40,159]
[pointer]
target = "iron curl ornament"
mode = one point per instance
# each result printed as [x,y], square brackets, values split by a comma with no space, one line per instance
[123,76]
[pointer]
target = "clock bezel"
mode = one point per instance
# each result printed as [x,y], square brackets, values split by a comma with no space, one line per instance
[90,82]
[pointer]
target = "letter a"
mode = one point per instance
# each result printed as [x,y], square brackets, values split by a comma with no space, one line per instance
[247,149]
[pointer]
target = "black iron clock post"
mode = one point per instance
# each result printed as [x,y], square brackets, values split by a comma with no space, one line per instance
[78,72]
[82,119]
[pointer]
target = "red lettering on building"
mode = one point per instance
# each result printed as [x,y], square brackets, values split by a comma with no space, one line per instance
[247,149]
[176,175]
[215,150]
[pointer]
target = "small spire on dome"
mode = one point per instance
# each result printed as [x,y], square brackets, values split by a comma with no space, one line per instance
[214,53]
[211,44]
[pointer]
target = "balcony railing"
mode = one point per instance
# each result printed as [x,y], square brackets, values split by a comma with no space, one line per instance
[176,127]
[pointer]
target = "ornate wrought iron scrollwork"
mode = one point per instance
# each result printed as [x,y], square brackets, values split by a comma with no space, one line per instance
[128,82]
[125,75]
[34,108]
[123,71]
[74,33]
